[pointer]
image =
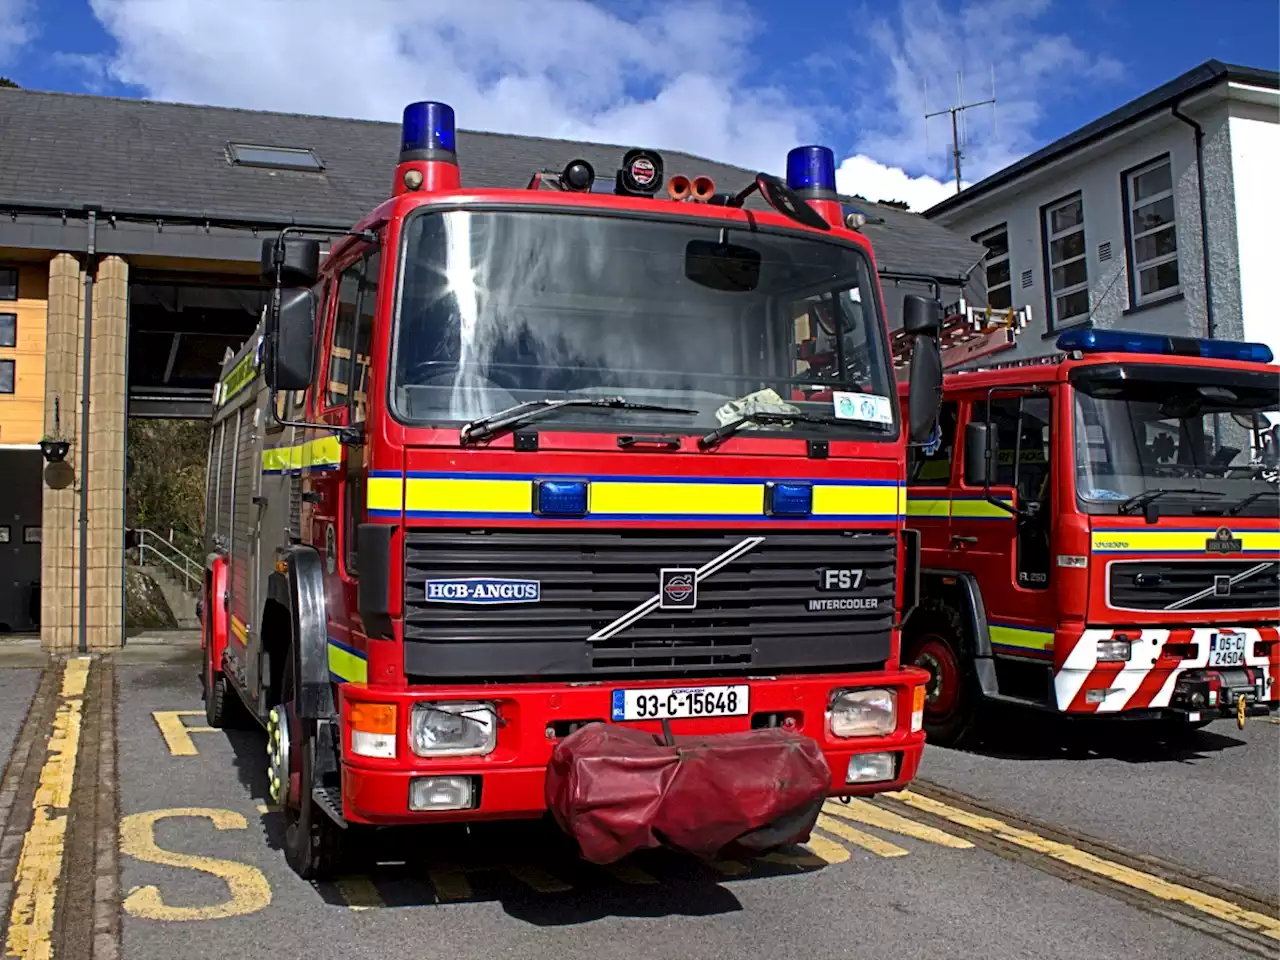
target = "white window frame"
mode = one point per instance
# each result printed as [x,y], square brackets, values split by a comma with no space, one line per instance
[1132,204]
[1049,238]
[991,261]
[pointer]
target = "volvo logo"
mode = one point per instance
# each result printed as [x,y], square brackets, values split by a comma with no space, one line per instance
[678,588]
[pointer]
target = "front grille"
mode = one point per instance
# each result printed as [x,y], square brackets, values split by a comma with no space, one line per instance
[1151,585]
[751,616]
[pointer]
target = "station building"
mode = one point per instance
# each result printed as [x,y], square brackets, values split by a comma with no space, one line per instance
[130,236]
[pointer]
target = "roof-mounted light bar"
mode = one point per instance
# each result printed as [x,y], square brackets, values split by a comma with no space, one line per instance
[1090,340]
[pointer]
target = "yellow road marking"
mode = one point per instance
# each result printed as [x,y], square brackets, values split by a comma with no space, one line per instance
[40,862]
[730,868]
[806,859]
[629,873]
[450,883]
[263,808]
[1147,883]
[539,879]
[248,889]
[359,892]
[873,816]
[826,849]
[177,735]
[1272,719]
[881,848]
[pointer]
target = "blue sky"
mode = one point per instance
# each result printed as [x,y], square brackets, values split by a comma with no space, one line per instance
[737,81]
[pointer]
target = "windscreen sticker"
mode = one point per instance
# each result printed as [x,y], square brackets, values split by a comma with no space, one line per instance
[862,406]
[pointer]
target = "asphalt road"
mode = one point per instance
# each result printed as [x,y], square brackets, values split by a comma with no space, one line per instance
[517,891]
[170,852]
[1209,800]
[16,688]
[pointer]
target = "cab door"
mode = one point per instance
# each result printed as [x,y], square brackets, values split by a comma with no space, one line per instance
[1010,553]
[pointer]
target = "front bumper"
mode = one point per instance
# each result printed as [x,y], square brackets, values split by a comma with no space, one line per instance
[534,717]
[1168,672]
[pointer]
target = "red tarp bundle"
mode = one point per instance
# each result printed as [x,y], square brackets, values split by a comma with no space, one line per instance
[617,790]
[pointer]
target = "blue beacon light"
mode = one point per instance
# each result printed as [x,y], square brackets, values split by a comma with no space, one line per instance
[1091,340]
[811,171]
[560,498]
[784,499]
[427,131]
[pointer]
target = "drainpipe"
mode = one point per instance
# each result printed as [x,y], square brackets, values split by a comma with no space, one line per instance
[90,253]
[1204,217]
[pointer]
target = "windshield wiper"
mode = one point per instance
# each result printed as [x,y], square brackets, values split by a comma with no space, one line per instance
[1251,498]
[1139,500]
[760,416]
[486,427]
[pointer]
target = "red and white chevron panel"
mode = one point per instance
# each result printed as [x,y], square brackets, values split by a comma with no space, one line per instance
[1147,679]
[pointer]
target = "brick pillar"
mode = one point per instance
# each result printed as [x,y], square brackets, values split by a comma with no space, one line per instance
[60,556]
[107,417]
[59,553]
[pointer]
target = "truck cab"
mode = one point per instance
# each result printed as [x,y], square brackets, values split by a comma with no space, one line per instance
[1099,534]
[512,463]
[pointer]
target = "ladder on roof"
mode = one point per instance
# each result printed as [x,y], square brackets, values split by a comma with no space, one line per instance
[968,333]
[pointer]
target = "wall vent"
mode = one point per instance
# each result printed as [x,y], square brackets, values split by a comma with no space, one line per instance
[1104,251]
[1026,279]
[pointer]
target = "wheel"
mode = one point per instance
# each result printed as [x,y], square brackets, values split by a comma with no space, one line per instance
[223,708]
[936,642]
[313,843]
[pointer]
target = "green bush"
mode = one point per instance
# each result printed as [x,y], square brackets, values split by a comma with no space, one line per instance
[165,489]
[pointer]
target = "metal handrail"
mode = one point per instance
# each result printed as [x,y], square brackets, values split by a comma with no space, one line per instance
[189,569]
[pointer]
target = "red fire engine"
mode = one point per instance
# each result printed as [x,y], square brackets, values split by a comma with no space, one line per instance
[1098,528]
[520,472]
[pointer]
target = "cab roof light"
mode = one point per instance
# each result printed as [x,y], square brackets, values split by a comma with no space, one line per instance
[1090,340]
[427,127]
[811,170]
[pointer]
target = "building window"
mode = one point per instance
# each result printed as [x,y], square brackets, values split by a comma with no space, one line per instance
[8,283]
[7,376]
[1153,235]
[8,329]
[1065,258]
[999,285]
[287,158]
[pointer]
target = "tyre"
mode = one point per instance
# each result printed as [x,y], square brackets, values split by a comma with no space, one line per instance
[936,640]
[223,708]
[313,843]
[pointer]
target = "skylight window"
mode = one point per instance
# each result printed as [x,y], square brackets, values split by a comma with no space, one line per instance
[284,158]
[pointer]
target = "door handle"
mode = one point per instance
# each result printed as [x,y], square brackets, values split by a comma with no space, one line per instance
[956,538]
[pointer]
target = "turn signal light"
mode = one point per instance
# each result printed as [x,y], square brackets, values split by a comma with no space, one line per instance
[373,729]
[917,709]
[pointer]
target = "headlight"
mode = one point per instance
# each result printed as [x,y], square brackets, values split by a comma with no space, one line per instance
[1113,650]
[863,713]
[453,729]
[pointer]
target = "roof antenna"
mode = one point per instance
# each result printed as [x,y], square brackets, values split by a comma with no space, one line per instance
[958,119]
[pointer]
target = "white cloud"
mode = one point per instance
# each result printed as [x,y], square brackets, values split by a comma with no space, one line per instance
[919,51]
[557,68]
[16,29]
[868,178]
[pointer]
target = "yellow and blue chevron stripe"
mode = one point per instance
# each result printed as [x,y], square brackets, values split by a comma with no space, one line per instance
[437,495]
[1021,641]
[322,453]
[346,664]
[964,508]
[1131,540]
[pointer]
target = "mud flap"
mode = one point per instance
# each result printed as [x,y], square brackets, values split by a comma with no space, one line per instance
[618,790]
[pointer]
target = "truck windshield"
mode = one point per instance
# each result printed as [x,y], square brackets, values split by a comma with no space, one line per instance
[499,308]
[1203,440]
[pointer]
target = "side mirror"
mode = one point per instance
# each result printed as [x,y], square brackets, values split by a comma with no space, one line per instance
[980,445]
[924,391]
[920,315]
[291,341]
[300,261]
[1271,446]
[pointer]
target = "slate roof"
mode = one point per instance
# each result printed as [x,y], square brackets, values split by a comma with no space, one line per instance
[1206,75]
[148,157]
